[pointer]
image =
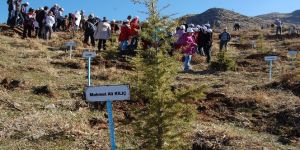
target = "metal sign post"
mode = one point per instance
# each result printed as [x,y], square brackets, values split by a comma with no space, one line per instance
[293,55]
[253,43]
[109,94]
[71,44]
[111,124]
[89,55]
[270,59]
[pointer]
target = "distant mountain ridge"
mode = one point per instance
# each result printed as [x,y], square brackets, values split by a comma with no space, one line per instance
[222,17]
[293,17]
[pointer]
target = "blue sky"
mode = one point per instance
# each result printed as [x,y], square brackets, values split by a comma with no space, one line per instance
[120,9]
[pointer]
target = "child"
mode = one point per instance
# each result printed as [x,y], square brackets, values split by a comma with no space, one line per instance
[189,46]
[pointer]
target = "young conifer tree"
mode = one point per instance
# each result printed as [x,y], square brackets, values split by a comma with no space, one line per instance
[166,120]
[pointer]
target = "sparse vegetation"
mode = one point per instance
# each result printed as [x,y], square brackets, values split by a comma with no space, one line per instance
[239,110]
[223,63]
[261,45]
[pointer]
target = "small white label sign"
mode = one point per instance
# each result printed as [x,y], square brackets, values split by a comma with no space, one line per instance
[271,58]
[107,93]
[70,43]
[87,54]
[292,53]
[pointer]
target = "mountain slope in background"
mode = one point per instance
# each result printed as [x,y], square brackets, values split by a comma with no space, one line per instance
[222,17]
[293,18]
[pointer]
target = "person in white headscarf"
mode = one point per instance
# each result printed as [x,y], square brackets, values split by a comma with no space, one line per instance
[77,19]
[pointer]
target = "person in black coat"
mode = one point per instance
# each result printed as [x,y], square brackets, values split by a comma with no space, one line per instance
[207,42]
[10,4]
[40,16]
[89,30]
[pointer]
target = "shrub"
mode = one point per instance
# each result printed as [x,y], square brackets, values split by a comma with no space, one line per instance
[223,63]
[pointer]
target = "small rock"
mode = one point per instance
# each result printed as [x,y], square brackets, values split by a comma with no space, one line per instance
[17,105]
[50,106]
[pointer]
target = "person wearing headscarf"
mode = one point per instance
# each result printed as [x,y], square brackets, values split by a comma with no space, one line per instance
[77,19]
[50,21]
[124,36]
[134,33]
[188,47]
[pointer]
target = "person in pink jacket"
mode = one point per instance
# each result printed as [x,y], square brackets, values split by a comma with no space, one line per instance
[189,47]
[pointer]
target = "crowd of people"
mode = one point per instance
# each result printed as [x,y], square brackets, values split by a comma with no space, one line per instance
[42,22]
[193,39]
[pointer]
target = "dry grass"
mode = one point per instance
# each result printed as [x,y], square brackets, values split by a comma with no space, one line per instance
[41,63]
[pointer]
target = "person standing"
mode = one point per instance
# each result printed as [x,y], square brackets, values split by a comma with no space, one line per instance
[18,16]
[200,40]
[278,24]
[124,36]
[103,33]
[24,8]
[89,30]
[114,31]
[207,43]
[134,33]
[77,20]
[189,47]
[59,18]
[11,9]
[50,21]
[224,37]
[29,18]
[40,18]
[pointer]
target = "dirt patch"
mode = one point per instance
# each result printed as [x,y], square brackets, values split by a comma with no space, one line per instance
[69,64]
[212,142]
[251,65]
[253,115]
[242,46]
[288,82]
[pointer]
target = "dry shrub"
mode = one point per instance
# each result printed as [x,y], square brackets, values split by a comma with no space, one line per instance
[43,90]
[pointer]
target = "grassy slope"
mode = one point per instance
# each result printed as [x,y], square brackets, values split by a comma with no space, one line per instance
[70,124]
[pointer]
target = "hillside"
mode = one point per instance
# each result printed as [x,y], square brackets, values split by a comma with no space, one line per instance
[293,18]
[223,17]
[42,104]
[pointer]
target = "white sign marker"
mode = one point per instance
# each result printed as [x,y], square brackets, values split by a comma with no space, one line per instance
[109,92]
[292,53]
[87,54]
[70,44]
[270,59]
[253,43]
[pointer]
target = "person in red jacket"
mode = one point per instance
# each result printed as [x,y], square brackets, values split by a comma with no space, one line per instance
[134,33]
[124,36]
[29,18]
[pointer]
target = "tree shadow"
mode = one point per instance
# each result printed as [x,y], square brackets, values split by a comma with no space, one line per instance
[201,72]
